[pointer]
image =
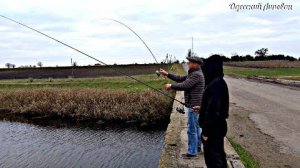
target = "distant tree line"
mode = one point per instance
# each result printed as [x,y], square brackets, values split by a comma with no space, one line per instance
[259,55]
[170,59]
[10,65]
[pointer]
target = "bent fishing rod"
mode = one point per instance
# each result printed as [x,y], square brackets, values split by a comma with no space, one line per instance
[85,54]
[135,33]
[117,21]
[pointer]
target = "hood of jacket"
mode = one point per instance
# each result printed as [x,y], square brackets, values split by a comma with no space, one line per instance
[212,68]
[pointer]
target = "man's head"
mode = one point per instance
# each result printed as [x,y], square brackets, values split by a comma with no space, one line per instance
[212,68]
[194,62]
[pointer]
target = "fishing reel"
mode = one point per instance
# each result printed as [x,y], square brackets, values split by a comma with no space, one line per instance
[157,73]
[180,110]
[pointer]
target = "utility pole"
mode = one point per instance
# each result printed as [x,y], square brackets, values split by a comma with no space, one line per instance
[192,46]
[72,68]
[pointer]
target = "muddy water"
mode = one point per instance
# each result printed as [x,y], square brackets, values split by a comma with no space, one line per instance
[27,145]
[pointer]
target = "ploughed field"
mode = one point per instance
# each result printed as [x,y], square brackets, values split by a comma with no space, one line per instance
[78,71]
[116,98]
[270,69]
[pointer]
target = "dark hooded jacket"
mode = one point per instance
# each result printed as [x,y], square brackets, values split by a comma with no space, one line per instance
[215,101]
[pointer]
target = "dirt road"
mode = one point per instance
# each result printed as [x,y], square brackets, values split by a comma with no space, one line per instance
[265,119]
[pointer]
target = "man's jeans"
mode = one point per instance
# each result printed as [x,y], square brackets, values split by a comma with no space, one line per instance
[194,132]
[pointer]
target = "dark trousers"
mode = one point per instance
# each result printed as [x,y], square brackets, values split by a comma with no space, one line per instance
[214,154]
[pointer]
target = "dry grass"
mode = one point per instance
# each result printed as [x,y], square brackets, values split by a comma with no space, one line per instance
[265,64]
[87,103]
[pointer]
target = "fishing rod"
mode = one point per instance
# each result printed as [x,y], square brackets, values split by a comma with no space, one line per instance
[135,33]
[117,21]
[81,52]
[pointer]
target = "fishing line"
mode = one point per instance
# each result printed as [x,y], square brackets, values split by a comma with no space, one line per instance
[115,69]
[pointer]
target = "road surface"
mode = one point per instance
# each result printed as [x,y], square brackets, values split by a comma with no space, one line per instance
[265,119]
[274,109]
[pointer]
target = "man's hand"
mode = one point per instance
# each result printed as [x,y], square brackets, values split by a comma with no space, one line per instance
[196,109]
[168,86]
[204,138]
[163,72]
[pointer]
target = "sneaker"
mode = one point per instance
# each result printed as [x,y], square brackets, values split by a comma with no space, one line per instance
[187,156]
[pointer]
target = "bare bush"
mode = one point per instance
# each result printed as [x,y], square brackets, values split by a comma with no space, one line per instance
[50,79]
[87,103]
[30,79]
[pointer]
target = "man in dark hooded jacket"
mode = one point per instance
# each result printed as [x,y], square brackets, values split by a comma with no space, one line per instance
[213,112]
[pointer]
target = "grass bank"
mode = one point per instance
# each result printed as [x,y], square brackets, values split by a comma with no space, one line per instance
[86,104]
[245,156]
[283,73]
[265,64]
[104,82]
[114,83]
[105,98]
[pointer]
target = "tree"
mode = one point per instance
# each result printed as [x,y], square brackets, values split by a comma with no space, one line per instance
[262,52]
[235,57]
[13,65]
[249,57]
[8,65]
[225,59]
[40,64]
[290,58]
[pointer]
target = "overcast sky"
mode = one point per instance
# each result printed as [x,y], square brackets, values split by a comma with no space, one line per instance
[167,26]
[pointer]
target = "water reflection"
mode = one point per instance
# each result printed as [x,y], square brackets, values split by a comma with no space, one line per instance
[27,145]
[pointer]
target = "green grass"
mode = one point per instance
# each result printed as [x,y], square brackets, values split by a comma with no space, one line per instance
[245,156]
[284,73]
[103,82]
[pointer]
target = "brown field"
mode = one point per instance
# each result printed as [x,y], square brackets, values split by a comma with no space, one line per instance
[85,104]
[79,72]
[265,64]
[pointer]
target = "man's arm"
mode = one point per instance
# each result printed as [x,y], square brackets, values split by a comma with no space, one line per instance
[187,84]
[177,78]
[171,76]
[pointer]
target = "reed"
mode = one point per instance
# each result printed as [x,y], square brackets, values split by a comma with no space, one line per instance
[87,103]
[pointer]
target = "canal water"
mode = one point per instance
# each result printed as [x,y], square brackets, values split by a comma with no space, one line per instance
[28,145]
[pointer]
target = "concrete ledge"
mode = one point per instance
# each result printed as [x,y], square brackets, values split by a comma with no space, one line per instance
[169,155]
[233,159]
